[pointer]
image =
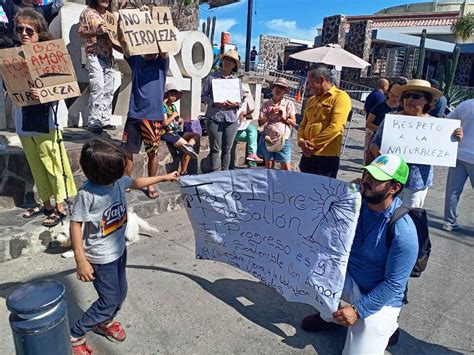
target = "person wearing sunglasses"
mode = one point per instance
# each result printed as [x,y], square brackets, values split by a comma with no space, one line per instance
[49,9]
[36,127]
[417,99]
[377,115]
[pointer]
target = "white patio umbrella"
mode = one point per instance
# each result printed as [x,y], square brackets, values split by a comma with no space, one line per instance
[331,54]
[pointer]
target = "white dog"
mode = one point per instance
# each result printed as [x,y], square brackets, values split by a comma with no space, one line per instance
[135,227]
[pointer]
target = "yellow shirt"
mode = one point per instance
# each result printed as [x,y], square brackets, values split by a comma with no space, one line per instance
[324,120]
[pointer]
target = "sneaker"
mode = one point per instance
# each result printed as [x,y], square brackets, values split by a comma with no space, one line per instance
[188,150]
[79,346]
[255,158]
[314,323]
[112,331]
[449,227]
[394,338]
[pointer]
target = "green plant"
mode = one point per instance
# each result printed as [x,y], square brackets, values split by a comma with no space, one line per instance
[421,56]
[456,95]
[463,28]
[452,69]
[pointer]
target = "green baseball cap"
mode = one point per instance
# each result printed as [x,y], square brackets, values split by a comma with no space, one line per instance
[388,167]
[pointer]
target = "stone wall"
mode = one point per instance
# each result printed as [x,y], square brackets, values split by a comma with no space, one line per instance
[272,49]
[463,71]
[358,43]
[334,29]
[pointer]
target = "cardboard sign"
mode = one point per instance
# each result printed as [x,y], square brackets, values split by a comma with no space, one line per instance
[420,140]
[111,24]
[167,33]
[226,90]
[144,32]
[44,65]
[292,231]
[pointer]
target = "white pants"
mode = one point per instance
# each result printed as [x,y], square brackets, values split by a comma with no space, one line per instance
[369,335]
[414,198]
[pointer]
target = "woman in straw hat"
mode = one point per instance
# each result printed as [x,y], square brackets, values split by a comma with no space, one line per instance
[222,118]
[417,98]
[278,115]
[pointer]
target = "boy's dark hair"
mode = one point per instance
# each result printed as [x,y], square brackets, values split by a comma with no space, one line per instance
[103,163]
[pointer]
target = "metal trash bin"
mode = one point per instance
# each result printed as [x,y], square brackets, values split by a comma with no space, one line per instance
[39,320]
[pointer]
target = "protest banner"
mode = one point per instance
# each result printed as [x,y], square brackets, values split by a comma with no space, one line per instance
[226,90]
[145,32]
[292,231]
[420,140]
[111,25]
[167,33]
[45,65]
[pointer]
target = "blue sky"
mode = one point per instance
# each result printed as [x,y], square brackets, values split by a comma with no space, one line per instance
[295,19]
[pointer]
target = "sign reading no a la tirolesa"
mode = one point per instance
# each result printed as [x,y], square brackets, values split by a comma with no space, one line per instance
[421,140]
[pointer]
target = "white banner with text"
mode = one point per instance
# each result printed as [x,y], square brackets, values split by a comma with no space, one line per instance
[293,231]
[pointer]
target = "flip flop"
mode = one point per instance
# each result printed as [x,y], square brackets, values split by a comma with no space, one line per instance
[151,194]
[33,211]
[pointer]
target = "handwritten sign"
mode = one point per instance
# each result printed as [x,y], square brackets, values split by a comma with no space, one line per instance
[46,66]
[145,32]
[226,90]
[292,231]
[111,24]
[420,140]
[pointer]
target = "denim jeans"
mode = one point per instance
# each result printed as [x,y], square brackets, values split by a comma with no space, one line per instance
[111,286]
[457,177]
[221,139]
[101,84]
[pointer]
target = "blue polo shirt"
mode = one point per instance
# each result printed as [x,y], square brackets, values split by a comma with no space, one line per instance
[148,86]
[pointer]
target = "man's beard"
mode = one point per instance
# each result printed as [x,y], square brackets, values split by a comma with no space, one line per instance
[376,198]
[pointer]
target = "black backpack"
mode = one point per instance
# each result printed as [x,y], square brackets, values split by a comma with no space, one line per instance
[418,215]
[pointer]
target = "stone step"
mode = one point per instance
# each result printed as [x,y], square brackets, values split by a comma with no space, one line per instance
[19,237]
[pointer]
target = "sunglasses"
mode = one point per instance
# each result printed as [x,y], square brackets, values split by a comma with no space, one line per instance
[413,95]
[29,31]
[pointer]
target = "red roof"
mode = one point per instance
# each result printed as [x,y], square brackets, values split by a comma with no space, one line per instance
[414,23]
[420,19]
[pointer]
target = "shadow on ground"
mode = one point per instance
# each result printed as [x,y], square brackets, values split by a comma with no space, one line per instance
[263,306]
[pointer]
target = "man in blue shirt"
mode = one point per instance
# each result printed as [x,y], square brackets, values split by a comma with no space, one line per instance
[376,96]
[377,275]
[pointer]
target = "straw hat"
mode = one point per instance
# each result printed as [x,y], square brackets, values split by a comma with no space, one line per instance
[232,53]
[172,87]
[418,85]
[280,82]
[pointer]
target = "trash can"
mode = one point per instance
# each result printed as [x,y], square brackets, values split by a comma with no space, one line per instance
[38,318]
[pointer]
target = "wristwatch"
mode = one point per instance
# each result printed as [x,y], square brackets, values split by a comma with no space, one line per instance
[355,310]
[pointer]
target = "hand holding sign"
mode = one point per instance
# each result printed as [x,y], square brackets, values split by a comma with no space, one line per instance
[45,66]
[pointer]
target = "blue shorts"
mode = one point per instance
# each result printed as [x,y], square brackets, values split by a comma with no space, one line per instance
[282,156]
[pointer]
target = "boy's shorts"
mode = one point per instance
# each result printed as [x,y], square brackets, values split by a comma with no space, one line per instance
[148,131]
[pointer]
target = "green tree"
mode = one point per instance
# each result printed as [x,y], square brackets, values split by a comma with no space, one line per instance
[463,28]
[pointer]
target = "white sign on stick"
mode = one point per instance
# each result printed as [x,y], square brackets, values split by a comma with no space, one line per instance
[421,140]
[226,90]
[292,231]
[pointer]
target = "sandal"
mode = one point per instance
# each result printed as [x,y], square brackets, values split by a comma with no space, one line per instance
[54,219]
[151,194]
[33,211]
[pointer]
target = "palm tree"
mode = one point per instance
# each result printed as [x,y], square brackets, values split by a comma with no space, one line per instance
[463,28]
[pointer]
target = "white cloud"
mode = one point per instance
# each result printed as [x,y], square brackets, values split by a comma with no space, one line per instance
[284,28]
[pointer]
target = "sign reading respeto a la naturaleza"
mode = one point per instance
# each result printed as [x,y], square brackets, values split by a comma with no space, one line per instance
[290,230]
[421,140]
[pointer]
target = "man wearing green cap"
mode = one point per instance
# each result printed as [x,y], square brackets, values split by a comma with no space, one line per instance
[377,274]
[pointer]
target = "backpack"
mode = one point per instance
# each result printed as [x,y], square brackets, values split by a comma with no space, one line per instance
[418,215]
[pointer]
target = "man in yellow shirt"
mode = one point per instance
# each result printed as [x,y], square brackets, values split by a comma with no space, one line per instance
[321,131]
